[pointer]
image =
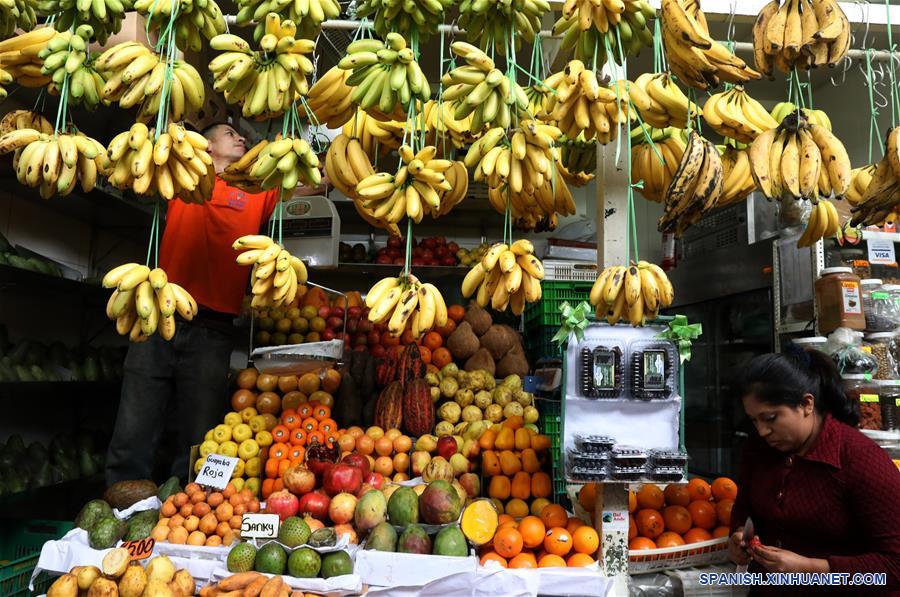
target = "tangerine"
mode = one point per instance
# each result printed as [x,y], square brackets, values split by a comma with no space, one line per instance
[524,559]
[425,354]
[703,514]
[558,541]
[678,519]
[508,542]
[587,496]
[696,535]
[724,488]
[641,543]
[632,528]
[365,445]
[554,515]
[441,357]
[577,560]
[650,523]
[493,556]
[676,494]
[650,496]
[551,561]
[432,341]
[506,518]
[456,312]
[722,531]
[669,539]
[573,523]
[532,530]
[723,512]
[632,501]
[699,489]
[586,540]
[517,508]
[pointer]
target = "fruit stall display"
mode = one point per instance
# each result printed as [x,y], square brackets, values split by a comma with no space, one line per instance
[67,457]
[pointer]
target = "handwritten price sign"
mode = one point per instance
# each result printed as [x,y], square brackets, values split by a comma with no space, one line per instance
[140,549]
[216,471]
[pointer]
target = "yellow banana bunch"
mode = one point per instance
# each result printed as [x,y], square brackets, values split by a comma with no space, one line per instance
[174,165]
[801,160]
[421,16]
[415,188]
[738,177]
[238,173]
[54,162]
[404,302]
[734,114]
[824,222]
[880,194]
[783,109]
[145,302]
[308,14]
[524,162]
[24,119]
[665,105]
[481,90]
[497,21]
[285,163]
[441,123]
[375,135]
[507,275]
[799,34]
[695,58]
[575,178]
[104,17]
[584,23]
[266,82]
[17,14]
[65,56]
[276,273]
[656,164]
[194,20]
[860,178]
[331,99]
[696,186]
[135,75]
[635,293]
[535,210]
[385,74]
[19,56]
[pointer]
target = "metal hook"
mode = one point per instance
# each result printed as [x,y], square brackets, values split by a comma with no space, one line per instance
[866,16]
[729,30]
[846,64]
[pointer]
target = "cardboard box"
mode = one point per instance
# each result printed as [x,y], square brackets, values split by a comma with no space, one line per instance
[391,569]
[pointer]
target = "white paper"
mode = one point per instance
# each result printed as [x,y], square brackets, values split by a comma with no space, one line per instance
[391,569]
[347,584]
[216,471]
[259,526]
[881,251]
[150,503]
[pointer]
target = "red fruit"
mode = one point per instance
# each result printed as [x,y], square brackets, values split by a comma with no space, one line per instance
[360,348]
[384,259]
[395,242]
[375,480]
[417,252]
[327,335]
[364,326]
[337,311]
[441,251]
[314,503]
[338,335]
[354,312]
[755,542]
[352,324]
[283,503]
[373,338]
[440,240]
[319,457]
[341,508]
[448,260]
[377,351]
[360,339]
[359,461]
[335,323]
[418,261]
[452,247]
[427,254]
[398,261]
[447,447]
[324,312]
[394,253]
[299,480]
[342,477]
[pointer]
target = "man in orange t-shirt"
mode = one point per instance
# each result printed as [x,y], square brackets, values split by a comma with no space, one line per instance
[186,377]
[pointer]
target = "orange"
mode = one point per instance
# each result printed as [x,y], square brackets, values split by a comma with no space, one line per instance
[587,496]
[309,383]
[402,443]
[577,560]
[407,337]
[432,341]
[365,445]
[524,559]
[676,494]
[585,540]
[384,446]
[506,518]
[650,523]
[425,354]
[721,532]
[304,411]
[554,515]
[641,543]
[632,528]
[699,489]
[441,357]
[532,530]
[650,496]
[669,539]
[310,425]
[678,519]
[558,541]
[447,329]
[697,535]
[632,501]
[508,542]
[703,514]
[516,508]
[278,451]
[456,313]
[355,431]
[551,561]
[573,523]
[723,512]
[332,381]
[724,488]
[493,556]
[298,437]
[538,505]
[292,419]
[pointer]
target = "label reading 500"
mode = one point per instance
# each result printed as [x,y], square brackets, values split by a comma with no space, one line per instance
[216,471]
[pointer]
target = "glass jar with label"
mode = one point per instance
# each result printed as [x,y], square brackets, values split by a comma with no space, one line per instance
[865,392]
[838,300]
[885,271]
[867,288]
[890,404]
[882,346]
[813,342]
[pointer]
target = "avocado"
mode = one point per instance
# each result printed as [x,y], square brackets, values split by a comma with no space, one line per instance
[44,476]
[141,524]
[91,513]
[37,373]
[23,374]
[4,244]
[170,487]
[107,533]
[123,494]
[16,261]
[91,369]
[86,465]
[4,260]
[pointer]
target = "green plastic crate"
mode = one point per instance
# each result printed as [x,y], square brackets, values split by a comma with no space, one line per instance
[554,293]
[20,548]
[539,343]
[550,426]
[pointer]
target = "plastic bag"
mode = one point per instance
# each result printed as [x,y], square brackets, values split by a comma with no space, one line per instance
[845,348]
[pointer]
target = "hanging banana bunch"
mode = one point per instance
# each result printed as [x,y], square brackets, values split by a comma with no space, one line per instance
[800,34]
[584,24]
[537,209]
[103,17]
[405,302]
[507,275]
[145,302]
[276,274]
[818,117]
[734,114]
[19,56]
[860,178]
[266,82]
[524,162]
[307,14]
[194,19]
[696,186]
[441,123]
[24,119]
[135,75]
[16,14]
[578,159]
[665,105]
[330,98]
[376,136]
[5,79]
[635,293]
[656,164]
[285,163]
[421,16]
[880,188]
[824,222]
[498,21]
[65,55]
[737,174]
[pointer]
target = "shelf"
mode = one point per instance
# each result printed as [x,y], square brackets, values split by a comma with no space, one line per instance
[795,327]
[423,272]
[16,278]
[879,235]
[60,389]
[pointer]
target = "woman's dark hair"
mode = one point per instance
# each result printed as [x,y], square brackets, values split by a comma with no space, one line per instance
[783,378]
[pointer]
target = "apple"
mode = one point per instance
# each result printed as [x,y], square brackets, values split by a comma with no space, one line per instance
[417,252]
[324,312]
[327,335]
[427,254]
[360,339]
[337,311]
[429,243]
[373,338]
[364,326]
[362,348]
[377,351]
[352,323]
[339,335]
[452,247]
[395,242]
[383,259]
[354,312]
[418,261]
[441,251]
[335,323]
[448,260]
[376,480]
[440,240]
[447,447]
[398,261]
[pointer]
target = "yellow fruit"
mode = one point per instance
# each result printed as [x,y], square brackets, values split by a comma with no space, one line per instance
[238,469]
[232,419]
[222,433]
[248,413]
[248,449]
[258,423]
[208,436]
[252,484]
[241,432]
[228,448]
[199,464]
[208,447]
[264,438]
[238,483]
[251,469]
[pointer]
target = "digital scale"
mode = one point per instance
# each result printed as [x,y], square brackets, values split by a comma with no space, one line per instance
[311,229]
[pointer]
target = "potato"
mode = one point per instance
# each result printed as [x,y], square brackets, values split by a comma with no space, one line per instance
[86,576]
[64,586]
[115,562]
[183,583]
[161,568]
[103,587]
[133,582]
[157,588]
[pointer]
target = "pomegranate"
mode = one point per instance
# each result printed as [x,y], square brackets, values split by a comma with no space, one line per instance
[315,504]
[320,456]
[299,480]
[347,529]
[283,503]
[342,477]
[359,461]
[341,508]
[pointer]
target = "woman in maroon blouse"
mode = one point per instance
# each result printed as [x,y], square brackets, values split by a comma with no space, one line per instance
[823,497]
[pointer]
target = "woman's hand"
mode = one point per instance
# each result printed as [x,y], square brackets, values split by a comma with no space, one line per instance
[775,559]
[737,549]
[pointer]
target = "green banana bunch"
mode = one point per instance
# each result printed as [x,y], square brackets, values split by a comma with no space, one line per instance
[195,19]
[385,74]
[307,14]
[284,163]
[65,56]
[632,28]
[497,21]
[16,14]
[103,16]
[819,117]
[578,155]
[269,81]
[401,16]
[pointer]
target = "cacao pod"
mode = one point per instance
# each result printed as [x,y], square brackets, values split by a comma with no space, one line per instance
[389,407]
[386,371]
[411,366]
[418,408]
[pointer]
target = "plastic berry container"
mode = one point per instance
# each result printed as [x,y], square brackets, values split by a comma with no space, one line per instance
[594,444]
[628,456]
